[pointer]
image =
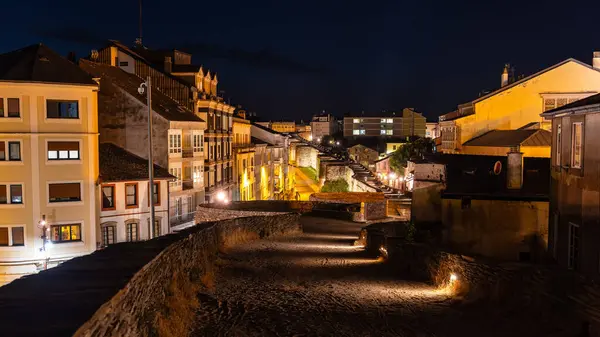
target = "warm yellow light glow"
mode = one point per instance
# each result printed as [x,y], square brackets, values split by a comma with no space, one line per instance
[383,251]
[453,278]
[221,196]
[392,175]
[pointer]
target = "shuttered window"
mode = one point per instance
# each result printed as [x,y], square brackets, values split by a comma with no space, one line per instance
[64,192]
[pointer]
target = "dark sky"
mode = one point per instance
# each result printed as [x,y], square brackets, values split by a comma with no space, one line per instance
[291,59]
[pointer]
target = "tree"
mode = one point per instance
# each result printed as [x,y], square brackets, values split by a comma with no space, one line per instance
[413,149]
[337,185]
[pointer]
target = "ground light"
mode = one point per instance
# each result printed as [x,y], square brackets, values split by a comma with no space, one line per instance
[383,252]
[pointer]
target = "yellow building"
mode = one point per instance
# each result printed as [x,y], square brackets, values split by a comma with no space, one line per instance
[392,147]
[244,168]
[48,160]
[284,127]
[518,104]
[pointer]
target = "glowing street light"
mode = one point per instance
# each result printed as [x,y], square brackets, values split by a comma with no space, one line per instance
[393,175]
[453,278]
[221,196]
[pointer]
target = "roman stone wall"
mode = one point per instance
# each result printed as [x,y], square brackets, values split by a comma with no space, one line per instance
[307,156]
[160,299]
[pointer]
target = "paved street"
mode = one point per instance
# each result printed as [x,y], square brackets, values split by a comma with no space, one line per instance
[319,284]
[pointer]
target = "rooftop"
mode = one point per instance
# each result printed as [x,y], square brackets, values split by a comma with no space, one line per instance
[38,63]
[161,103]
[118,164]
[508,138]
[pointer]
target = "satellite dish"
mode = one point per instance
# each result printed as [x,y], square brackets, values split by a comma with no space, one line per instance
[497,168]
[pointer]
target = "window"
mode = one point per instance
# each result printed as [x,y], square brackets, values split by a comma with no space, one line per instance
[63,150]
[131,195]
[576,145]
[362,132]
[558,144]
[156,193]
[108,197]
[198,174]
[108,235]
[197,143]
[383,120]
[176,171]
[175,143]
[65,233]
[389,132]
[356,120]
[11,194]
[131,231]
[157,223]
[13,108]
[62,109]
[553,103]
[390,120]
[355,132]
[12,236]
[64,192]
[383,132]
[13,149]
[573,262]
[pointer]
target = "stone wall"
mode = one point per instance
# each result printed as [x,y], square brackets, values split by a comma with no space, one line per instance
[306,156]
[160,299]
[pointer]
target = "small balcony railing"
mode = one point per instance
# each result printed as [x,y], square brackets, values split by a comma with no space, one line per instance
[187,184]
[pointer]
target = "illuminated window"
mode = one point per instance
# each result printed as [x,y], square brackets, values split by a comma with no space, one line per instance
[390,120]
[383,132]
[66,233]
[576,145]
[389,132]
[362,132]
[356,120]
[63,150]
[12,236]
[383,120]
[355,132]
[553,103]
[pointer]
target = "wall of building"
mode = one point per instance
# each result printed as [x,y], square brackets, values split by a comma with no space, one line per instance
[120,215]
[363,155]
[307,156]
[135,309]
[523,104]
[528,151]
[34,172]
[497,228]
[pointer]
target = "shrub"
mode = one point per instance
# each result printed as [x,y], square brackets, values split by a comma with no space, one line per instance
[337,185]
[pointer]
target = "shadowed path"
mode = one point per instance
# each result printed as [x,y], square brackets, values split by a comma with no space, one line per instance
[319,284]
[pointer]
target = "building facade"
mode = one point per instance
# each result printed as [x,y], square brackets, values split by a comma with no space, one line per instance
[178,135]
[575,186]
[125,197]
[195,89]
[244,165]
[406,124]
[432,130]
[48,160]
[518,105]
[323,125]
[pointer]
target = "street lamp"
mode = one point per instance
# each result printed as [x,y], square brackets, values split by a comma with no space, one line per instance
[143,87]
[46,241]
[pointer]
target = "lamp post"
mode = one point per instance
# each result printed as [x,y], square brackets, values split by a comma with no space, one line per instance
[46,242]
[143,87]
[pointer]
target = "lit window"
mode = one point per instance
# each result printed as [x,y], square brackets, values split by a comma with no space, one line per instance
[65,233]
[64,192]
[389,132]
[356,120]
[63,150]
[576,145]
[62,109]
[383,132]
[383,120]
[355,132]
[390,120]
[12,236]
[362,132]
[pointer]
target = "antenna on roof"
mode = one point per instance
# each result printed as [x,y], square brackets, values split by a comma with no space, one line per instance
[139,39]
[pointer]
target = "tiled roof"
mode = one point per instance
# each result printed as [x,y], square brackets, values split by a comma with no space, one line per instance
[38,63]
[591,100]
[161,103]
[508,138]
[473,176]
[118,164]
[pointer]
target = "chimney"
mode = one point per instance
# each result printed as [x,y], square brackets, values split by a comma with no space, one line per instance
[596,60]
[504,77]
[514,172]
[168,64]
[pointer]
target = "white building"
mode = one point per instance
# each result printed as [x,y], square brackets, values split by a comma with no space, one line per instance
[125,198]
[322,125]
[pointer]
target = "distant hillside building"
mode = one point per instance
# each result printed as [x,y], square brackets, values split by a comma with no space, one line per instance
[323,125]
[406,124]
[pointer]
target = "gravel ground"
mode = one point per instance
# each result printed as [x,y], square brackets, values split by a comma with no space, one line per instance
[206,214]
[318,284]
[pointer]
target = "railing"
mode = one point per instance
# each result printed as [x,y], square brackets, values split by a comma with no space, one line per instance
[187,153]
[187,184]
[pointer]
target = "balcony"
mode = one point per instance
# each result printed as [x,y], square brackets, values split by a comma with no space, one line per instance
[187,153]
[187,184]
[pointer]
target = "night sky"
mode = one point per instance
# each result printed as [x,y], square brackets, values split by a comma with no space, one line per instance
[291,59]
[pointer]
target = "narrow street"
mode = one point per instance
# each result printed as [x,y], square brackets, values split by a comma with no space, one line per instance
[320,284]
